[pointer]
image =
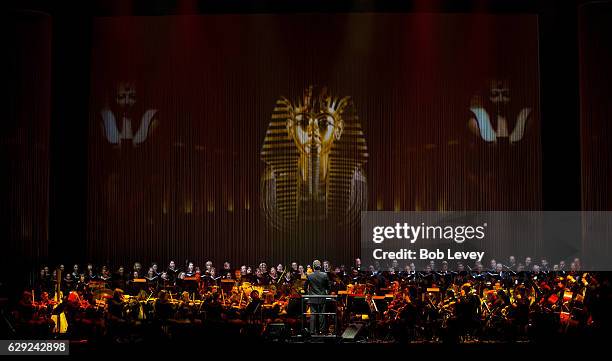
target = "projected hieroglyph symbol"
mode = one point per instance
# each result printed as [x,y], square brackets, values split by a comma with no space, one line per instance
[314,152]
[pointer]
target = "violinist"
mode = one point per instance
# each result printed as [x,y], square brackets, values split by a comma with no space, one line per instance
[29,320]
[253,307]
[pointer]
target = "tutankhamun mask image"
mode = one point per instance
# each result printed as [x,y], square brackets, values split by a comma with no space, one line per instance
[314,152]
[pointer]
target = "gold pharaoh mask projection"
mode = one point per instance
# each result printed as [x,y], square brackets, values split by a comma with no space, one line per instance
[314,151]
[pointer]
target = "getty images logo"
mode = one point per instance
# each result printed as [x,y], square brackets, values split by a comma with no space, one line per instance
[412,233]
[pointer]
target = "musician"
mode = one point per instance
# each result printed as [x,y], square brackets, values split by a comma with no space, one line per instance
[72,307]
[163,307]
[106,277]
[134,284]
[408,273]
[213,307]
[355,277]
[358,264]
[519,309]
[326,267]
[155,269]
[60,268]
[250,277]
[512,263]
[432,266]
[152,280]
[444,276]
[402,316]
[120,279]
[44,282]
[90,273]
[395,265]
[245,276]
[68,283]
[317,283]
[343,270]
[211,279]
[172,272]
[137,270]
[337,280]
[294,270]
[28,319]
[391,275]
[272,276]
[254,306]
[467,309]
[185,307]
[544,265]
[263,267]
[25,307]
[376,279]
[577,263]
[190,272]
[261,279]
[492,266]
[115,313]
[45,301]
[227,268]
[207,266]
[76,272]
[427,278]
[288,278]
[528,264]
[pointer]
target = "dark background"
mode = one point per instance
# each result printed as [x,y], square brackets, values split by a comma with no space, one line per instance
[65,32]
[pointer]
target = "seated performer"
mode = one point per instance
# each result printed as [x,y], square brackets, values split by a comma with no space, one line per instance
[317,283]
[163,307]
[254,305]
[115,306]
[29,320]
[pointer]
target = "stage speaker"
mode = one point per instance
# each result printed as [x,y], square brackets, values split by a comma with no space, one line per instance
[276,332]
[352,331]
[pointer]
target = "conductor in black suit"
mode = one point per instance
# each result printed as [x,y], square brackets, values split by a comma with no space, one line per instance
[317,283]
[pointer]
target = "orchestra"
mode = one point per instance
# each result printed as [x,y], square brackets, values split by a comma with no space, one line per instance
[399,303]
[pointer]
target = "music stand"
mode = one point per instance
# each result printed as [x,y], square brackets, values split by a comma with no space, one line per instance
[325,299]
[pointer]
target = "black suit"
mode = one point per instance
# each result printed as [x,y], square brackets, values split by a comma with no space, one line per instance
[317,283]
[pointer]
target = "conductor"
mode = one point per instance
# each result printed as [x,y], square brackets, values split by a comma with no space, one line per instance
[317,283]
